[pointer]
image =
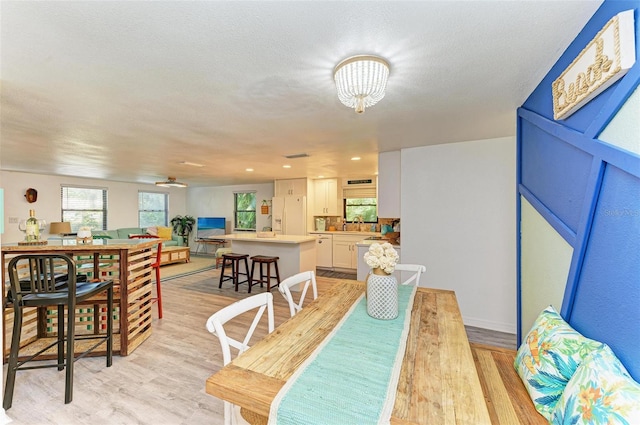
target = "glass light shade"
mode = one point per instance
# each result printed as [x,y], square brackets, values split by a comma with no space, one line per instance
[361,81]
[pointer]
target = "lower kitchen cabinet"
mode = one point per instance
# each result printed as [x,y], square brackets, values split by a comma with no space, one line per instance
[345,251]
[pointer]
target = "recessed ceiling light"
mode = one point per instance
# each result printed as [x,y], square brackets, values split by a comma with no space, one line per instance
[286,166]
[320,177]
[193,164]
[355,158]
[249,169]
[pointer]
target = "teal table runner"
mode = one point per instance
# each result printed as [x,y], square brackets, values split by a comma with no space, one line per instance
[352,377]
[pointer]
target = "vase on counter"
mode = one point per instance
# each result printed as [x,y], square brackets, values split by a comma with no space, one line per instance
[382,295]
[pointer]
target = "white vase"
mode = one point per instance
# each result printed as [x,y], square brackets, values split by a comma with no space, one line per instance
[382,295]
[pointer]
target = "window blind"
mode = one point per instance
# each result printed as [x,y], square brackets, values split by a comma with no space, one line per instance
[364,192]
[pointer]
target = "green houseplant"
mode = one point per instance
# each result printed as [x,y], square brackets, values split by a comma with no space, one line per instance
[183,226]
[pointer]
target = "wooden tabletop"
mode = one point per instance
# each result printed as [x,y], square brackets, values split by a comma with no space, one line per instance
[438,382]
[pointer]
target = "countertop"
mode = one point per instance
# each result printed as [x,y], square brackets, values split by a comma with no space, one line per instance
[343,232]
[252,237]
[367,243]
[73,245]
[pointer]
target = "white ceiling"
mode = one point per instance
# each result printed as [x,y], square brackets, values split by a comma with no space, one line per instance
[127,90]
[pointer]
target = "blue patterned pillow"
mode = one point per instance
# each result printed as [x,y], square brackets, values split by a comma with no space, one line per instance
[601,392]
[548,358]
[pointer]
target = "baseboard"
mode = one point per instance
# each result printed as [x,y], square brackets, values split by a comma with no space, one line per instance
[509,328]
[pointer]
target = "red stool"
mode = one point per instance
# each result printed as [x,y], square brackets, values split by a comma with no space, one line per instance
[264,260]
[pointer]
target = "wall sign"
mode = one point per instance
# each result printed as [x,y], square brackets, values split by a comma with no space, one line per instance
[605,60]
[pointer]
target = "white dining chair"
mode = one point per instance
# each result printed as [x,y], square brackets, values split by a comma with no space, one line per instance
[306,278]
[215,325]
[417,270]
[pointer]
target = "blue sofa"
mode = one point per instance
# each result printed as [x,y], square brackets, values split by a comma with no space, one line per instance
[124,233]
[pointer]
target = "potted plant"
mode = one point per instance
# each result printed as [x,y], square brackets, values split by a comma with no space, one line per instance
[183,226]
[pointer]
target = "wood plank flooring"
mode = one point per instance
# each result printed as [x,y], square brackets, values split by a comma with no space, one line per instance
[163,381]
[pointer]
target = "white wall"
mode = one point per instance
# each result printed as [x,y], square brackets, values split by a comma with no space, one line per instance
[218,202]
[546,259]
[122,200]
[458,219]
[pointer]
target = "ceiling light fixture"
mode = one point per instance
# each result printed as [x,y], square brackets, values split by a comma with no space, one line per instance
[361,81]
[355,158]
[249,169]
[286,166]
[171,182]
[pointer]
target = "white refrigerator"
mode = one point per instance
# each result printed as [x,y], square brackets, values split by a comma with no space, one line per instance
[289,215]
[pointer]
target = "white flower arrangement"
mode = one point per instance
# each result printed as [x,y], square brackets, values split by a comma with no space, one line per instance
[381,256]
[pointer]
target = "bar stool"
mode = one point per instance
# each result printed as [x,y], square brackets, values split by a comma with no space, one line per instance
[264,260]
[234,260]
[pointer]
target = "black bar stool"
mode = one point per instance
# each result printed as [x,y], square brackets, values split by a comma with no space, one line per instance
[264,260]
[41,287]
[234,260]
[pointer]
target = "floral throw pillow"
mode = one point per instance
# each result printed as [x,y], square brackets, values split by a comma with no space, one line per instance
[548,358]
[601,392]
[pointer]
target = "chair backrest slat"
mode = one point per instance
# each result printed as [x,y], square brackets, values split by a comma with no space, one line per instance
[307,278]
[417,270]
[216,322]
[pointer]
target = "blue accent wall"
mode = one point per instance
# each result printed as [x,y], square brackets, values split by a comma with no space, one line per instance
[589,191]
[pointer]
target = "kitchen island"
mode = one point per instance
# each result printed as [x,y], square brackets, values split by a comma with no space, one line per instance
[297,253]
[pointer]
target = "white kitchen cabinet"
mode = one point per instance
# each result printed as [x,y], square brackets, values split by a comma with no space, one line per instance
[326,198]
[290,187]
[324,249]
[345,251]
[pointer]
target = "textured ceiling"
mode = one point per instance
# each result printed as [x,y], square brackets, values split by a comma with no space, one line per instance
[127,90]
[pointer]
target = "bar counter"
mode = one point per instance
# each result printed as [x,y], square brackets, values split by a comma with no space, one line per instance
[126,261]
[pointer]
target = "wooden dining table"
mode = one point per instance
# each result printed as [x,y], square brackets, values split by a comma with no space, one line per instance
[438,380]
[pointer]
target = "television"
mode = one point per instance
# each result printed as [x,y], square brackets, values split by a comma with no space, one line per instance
[210,227]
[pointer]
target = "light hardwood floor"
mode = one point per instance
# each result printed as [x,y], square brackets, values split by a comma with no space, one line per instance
[163,381]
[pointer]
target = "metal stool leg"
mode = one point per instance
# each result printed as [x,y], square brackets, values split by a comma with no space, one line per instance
[13,357]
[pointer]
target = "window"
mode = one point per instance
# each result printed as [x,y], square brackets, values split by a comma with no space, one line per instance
[84,207]
[367,208]
[244,210]
[153,209]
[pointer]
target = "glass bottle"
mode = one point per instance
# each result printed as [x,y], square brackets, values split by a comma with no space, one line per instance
[32,227]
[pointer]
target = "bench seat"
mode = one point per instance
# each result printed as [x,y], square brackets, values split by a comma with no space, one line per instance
[507,398]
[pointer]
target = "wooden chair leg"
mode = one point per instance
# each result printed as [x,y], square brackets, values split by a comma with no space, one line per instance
[253,265]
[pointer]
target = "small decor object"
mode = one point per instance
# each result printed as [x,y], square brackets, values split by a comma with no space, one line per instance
[382,286]
[31,195]
[84,235]
[264,208]
[32,227]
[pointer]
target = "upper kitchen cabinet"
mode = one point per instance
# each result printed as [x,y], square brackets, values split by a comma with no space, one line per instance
[389,164]
[326,197]
[290,187]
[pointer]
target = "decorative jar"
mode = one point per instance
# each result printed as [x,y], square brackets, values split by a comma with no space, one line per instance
[382,295]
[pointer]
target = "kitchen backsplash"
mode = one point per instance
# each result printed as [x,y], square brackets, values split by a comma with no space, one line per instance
[336,222]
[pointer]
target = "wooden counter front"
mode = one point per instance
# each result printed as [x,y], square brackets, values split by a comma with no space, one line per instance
[126,261]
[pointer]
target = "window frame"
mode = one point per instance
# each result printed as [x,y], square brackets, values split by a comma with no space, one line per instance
[74,223]
[165,211]
[236,211]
